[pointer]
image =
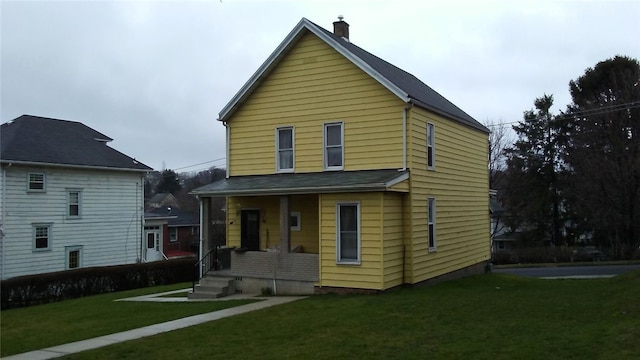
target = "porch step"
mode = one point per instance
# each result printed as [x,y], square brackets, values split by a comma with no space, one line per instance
[213,287]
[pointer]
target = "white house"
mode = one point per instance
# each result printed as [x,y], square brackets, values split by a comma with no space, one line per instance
[68,199]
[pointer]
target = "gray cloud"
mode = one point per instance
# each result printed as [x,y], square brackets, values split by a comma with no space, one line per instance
[154,75]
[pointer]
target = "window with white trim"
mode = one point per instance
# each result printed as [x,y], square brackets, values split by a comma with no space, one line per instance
[333,146]
[431,221]
[294,221]
[173,234]
[73,203]
[41,237]
[348,233]
[284,149]
[73,257]
[36,182]
[431,142]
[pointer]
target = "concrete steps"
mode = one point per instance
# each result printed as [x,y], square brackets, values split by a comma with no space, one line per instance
[213,287]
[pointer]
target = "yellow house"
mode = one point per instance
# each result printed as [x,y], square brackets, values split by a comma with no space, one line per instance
[345,172]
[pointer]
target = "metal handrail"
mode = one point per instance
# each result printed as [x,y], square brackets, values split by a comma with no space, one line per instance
[206,263]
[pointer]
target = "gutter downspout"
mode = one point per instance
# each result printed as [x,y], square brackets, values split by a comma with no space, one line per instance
[404,135]
[200,200]
[142,222]
[226,127]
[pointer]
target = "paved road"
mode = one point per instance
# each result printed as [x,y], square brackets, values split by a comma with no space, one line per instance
[571,271]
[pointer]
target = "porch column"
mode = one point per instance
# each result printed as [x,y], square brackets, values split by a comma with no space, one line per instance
[205,225]
[285,235]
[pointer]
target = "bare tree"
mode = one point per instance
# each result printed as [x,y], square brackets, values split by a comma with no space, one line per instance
[500,138]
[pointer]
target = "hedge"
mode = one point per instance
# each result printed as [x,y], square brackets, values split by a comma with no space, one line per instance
[63,285]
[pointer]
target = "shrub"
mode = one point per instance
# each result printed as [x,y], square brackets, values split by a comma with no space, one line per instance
[63,285]
[503,257]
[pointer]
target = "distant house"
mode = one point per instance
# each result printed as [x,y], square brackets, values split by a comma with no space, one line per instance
[346,172]
[68,199]
[501,236]
[180,234]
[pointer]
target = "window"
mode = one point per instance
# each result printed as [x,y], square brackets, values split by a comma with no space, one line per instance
[431,141]
[348,233]
[173,234]
[284,149]
[36,182]
[431,214]
[294,221]
[74,257]
[333,139]
[73,204]
[41,237]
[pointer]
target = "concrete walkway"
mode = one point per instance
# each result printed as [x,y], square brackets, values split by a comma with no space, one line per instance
[83,345]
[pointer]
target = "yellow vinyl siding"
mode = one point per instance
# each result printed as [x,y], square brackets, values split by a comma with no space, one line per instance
[392,242]
[313,85]
[307,205]
[460,185]
[368,274]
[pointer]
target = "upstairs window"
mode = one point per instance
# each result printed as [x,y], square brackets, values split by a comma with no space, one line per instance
[284,149]
[73,203]
[41,237]
[36,182]
[333,146]
[431,218]
[431,141]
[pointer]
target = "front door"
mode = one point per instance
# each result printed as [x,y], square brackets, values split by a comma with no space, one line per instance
[250,229]
[153,252]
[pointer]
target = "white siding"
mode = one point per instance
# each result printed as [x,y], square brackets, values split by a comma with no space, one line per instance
[109,229]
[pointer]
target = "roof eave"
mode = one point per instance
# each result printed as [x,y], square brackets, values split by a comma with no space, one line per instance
[450,116]
[36,163]
[378,186]
[296,191]
[281,50]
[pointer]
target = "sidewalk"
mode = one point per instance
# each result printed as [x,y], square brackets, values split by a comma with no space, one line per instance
[83,345]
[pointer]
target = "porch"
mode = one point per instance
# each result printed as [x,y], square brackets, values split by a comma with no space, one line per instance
[281,231]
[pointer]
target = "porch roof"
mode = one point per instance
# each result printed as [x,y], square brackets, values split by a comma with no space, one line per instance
[305,183]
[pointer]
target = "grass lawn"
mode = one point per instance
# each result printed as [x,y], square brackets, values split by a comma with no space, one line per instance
[41,326]
[492,316]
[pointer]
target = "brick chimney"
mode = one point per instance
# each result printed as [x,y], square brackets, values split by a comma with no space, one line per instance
[341,28]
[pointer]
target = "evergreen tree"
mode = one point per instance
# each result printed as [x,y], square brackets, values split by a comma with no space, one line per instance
[604,151]
[533,174]
[169,182]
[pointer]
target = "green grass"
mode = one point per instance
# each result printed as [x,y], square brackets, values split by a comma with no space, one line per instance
[53,324]
[484,317]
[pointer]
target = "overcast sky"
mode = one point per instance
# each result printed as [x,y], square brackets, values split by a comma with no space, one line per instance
[153,75]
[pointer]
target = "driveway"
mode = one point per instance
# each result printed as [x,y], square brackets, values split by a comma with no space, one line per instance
[593,271]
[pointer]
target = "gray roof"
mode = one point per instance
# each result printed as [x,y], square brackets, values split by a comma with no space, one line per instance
[177,217]
[43,141]
[406,86]
[305,183]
